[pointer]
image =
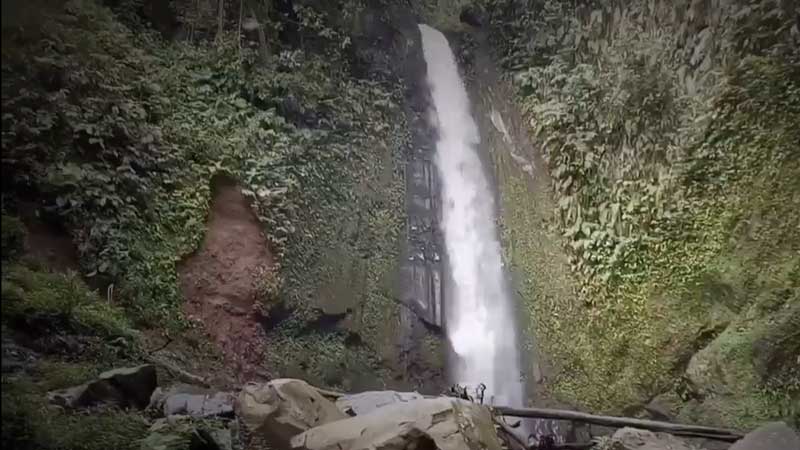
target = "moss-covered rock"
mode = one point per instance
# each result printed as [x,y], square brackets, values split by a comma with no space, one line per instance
[776,346]
[749,373]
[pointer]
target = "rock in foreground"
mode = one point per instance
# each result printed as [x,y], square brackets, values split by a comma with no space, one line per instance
[439,423]
[125,387]
[636,439]
[366,402]
[284,408]
[772,436]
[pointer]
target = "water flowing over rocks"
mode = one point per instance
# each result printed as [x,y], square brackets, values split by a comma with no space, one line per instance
[480,323]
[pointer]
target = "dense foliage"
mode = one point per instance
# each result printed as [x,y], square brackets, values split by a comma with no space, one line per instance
[667,141]
[119,133]
[114,132]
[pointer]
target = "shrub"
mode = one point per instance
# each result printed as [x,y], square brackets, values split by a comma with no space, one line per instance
[58,300]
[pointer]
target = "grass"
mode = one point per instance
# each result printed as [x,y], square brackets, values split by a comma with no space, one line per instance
[29,423]
[56,300]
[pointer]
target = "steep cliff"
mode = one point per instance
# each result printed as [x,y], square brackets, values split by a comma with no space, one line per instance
[669,135]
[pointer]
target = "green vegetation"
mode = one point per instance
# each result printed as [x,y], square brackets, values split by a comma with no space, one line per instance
[29,423]
[676,199]
[53,300]
[118,132]
[13,238]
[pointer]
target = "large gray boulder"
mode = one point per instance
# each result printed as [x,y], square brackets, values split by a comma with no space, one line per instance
[200,405]
[772,436]
[126,387]
[284,408]
[193,401]
[443,422]
[366,402]
[635,439]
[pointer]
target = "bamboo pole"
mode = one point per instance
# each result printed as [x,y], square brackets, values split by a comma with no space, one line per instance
[677,429]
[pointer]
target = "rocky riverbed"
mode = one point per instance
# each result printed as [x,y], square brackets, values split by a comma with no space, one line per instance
[290,413]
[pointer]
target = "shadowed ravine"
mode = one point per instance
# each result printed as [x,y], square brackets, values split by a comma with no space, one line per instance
[479,321]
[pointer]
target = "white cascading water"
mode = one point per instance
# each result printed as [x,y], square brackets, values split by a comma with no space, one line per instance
[479,321]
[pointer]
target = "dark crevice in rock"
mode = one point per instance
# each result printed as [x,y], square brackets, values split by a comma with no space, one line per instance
[703,338]
[277,313]
[324,322]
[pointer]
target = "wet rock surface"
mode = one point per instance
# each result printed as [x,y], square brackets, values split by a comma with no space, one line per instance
[386,46]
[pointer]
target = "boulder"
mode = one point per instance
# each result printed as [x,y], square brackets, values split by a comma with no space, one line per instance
[199,405]
[635,439]
[135,383]
[437,423]
[366,402]
[772,436]
[284,408]
[194,401]
[773,353]
[125,387]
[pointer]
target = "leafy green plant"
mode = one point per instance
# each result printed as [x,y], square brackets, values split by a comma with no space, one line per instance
[28,423]
[119,133]
[671,156]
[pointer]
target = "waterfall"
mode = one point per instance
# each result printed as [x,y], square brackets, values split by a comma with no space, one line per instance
[479,318]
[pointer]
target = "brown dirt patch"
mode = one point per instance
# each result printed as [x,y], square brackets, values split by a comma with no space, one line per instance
[220,281]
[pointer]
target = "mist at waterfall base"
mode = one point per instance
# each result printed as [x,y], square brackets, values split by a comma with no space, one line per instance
[479,320]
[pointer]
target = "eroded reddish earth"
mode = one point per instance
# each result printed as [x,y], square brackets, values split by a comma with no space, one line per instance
[220,281]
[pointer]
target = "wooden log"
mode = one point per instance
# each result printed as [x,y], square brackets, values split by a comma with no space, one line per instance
[505,432]
[179,373]
[719,434]
[329,394]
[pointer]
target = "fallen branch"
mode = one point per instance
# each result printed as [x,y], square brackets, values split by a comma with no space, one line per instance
[506,433]
[329,394]
[168,341]
[719,434]
[179,373]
